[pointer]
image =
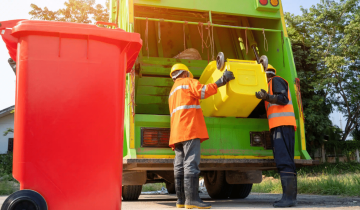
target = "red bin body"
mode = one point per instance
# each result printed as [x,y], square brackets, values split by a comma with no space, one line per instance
[69,116]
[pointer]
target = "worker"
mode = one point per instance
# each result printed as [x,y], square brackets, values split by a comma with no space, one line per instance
[188,130]
[282,124]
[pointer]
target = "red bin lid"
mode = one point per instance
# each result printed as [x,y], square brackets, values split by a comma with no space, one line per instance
[131,40]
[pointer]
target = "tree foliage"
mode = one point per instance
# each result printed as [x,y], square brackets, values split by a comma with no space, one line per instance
[78,11]
[327,45]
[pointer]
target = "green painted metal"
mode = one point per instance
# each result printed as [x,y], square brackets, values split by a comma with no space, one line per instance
[238,7]
[163,29]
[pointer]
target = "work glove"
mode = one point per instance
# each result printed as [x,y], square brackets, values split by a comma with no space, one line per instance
[225,78]
[265,96]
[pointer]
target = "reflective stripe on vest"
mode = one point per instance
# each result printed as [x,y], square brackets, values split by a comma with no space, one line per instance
[185,107]
[203,92]
[280,115]
[179,88]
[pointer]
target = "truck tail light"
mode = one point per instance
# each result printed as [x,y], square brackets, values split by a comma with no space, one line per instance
[263,2]
[274,2]
[155,137]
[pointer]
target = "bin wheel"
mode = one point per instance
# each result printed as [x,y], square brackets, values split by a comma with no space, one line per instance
[170,187]
[264,61]
[216,185]
[131,192]
[24,200]
[220,61]
[240,191]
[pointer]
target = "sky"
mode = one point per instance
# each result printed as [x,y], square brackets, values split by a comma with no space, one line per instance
[19,9]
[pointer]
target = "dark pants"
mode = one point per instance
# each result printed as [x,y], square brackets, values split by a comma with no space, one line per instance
[187,158]
[283,139]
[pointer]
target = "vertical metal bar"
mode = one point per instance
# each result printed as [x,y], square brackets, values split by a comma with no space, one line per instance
[235,41]
[282,45]
[117,12]
[188,38]
[159,42]
[210,18]
[217,42]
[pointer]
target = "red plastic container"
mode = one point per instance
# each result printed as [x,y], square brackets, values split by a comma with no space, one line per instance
[69,116]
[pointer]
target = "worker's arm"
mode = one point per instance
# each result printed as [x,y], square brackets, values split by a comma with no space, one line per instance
[200,91]
[280,88]
[225,78]
[279,96]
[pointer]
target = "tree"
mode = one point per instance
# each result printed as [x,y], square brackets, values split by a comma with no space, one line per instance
[331,31]
[9,130]
[356,133]
[79,11]
[316,106]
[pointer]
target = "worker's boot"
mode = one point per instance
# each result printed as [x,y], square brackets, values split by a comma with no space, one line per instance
[289,185]
[192,198]
[180,191]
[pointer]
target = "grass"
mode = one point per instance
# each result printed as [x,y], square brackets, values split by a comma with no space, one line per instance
[325,168]
[325,179]
[152,187]
[345,185]
[8,185]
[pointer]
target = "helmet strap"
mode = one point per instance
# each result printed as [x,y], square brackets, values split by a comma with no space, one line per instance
[178,74]
[270,72]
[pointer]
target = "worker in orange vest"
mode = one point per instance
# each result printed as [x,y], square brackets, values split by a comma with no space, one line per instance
[282,124]
[188,130]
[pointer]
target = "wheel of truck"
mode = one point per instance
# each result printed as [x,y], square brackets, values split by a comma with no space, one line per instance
[131,192]
[240,190]
[216,185]
[170,187]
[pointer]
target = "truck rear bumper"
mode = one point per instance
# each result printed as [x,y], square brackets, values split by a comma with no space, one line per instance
[210,164]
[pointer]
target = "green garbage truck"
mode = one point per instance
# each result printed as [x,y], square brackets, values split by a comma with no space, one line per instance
[193,32]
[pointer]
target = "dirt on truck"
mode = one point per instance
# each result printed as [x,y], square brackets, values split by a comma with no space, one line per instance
[193,32]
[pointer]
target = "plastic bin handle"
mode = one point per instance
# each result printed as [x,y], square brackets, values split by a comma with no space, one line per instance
[9,23]
[106,23]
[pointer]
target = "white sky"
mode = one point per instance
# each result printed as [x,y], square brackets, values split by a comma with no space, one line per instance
[19,9]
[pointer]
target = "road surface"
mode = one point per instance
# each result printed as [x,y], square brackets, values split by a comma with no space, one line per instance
[254,201]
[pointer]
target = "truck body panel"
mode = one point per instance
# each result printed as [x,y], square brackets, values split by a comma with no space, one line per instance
[168,28]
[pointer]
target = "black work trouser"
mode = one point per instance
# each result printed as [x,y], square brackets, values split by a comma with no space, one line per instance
[283,140]
[187,158]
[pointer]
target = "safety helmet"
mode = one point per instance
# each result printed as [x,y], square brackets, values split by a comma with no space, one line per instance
[271,70]
[180,66]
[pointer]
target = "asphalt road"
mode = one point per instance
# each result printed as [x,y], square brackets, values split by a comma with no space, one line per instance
[254,201]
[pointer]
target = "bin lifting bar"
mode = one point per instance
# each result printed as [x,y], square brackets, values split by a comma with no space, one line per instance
[214,25]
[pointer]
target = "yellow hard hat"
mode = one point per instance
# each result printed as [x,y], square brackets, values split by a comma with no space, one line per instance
[270,67]
[180,66]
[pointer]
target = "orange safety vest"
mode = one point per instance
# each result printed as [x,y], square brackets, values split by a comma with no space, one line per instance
[187,120]
[279,115]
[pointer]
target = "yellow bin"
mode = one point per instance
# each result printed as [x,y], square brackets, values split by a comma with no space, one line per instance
[237,98]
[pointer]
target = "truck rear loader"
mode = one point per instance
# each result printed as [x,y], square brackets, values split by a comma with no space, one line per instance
[193,32]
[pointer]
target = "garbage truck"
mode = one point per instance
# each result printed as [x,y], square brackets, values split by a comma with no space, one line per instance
[193,32]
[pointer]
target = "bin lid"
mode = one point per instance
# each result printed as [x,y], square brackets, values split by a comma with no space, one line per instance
[131,40]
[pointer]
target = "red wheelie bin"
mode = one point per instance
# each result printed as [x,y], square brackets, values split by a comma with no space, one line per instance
[69,115]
